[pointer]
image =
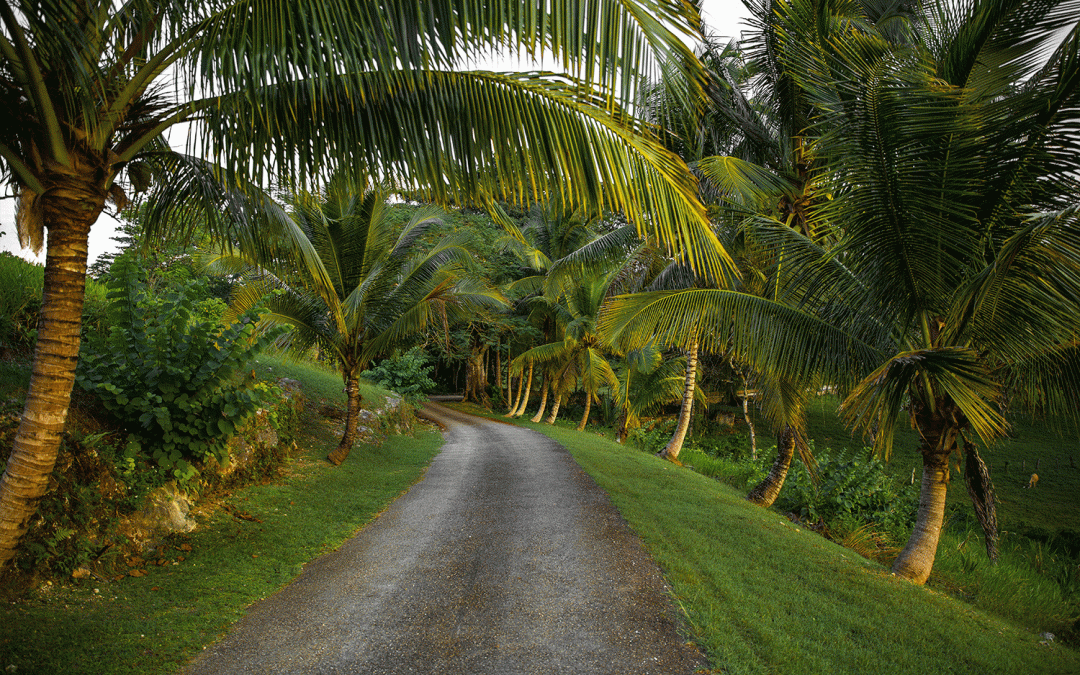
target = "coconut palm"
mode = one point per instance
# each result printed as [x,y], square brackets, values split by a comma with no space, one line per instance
[295,87]
[550,232]
[745,139]
[350,282]
[647,381]
[953,157]
[579,355]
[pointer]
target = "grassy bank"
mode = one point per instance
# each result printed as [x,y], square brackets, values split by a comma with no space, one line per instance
[763,595]
[199,584]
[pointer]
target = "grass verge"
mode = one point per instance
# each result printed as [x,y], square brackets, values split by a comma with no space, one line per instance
[238,555]
[762,595]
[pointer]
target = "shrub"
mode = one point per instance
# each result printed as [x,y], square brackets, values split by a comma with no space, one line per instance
[20,300]
[654,437]
[174,381]
[850,485]
[408,374]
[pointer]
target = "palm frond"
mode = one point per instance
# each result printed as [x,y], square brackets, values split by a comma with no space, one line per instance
[959,374]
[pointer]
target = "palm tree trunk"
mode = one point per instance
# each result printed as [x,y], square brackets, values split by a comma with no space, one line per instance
[620,426]
[917,558]
[352,416]
[746,415]
[765,493]
[543,402]
[517,398]
[939,432]
[524,402]
[554,410]
[674,447]
[498,370]
[585,416]
[69,212]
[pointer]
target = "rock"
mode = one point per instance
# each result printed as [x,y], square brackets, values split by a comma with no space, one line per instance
[165,510]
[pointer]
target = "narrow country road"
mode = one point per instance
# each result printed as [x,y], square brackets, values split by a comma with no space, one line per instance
[505,559]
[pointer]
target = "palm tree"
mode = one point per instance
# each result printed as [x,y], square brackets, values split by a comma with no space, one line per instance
[277,88]
[350,282]
[953,157]
[745,138]
[579,355]
[646,382]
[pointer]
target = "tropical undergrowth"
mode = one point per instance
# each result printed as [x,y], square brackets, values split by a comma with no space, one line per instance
[171,375]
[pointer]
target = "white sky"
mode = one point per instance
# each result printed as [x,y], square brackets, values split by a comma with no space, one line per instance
[724,17]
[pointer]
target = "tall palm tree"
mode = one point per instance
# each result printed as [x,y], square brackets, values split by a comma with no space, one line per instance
[299,86]
[579,355]
[745,139]
[953,157]
[348,280]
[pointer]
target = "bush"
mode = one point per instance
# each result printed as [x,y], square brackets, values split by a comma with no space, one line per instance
[20,300]
[21,284]
[408,374]
[174,381]
[851,485]
[654,437]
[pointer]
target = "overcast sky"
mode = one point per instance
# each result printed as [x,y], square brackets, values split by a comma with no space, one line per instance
[723,16]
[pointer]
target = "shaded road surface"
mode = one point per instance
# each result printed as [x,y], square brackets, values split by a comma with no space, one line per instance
[506,559]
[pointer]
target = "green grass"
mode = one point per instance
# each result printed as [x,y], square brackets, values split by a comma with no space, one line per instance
[156,623]
[320,382]
[762,595]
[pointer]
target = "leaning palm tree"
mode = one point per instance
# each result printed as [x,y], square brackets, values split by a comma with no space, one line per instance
[272,89]
[647,381]
[350,282]
[953,156]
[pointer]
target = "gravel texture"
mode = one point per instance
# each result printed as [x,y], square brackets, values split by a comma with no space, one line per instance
[507,558]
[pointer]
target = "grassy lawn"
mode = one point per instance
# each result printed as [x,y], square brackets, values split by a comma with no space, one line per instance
[156,623]
[762,595]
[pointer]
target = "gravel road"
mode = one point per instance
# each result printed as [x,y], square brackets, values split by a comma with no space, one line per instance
[505,559]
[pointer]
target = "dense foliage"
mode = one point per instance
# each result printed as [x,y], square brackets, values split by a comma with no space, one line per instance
[409,374]
[172,379]
[850,485]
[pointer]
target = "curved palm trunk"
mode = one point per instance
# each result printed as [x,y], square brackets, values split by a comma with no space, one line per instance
[765,493]
[939,430]
[517,398]
[550,419]
[674,447]
[69,211]
[352,415]
[525,397]
[585,417]
[543,403]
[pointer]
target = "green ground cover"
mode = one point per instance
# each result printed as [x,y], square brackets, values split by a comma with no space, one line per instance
[763,595]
